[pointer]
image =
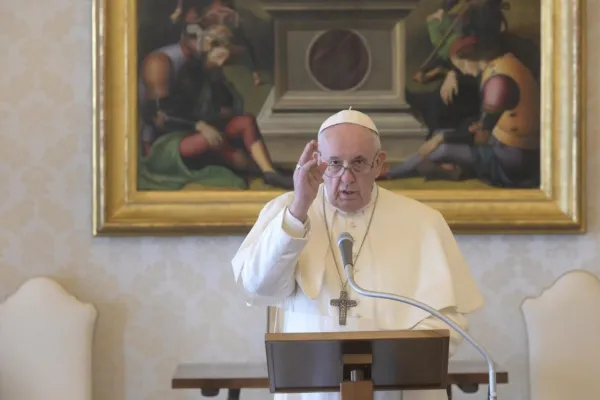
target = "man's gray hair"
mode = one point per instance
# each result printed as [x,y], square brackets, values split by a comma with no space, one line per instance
[376,140]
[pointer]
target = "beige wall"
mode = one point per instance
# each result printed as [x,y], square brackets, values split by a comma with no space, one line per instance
[152,293]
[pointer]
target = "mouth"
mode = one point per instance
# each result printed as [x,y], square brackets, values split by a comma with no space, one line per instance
[347,193]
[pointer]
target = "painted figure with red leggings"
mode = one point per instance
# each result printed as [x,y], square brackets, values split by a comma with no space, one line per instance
[183,89]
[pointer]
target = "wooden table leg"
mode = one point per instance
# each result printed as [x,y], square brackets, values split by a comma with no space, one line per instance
[469,388]
[209,392]
[449,392]
[233,394]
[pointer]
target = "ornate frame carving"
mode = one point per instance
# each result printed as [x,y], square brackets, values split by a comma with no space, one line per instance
[557,206]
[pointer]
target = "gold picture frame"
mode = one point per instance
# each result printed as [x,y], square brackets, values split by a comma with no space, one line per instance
[558,206]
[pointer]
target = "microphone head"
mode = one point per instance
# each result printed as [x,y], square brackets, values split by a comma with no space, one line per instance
[345,236]
[345,243]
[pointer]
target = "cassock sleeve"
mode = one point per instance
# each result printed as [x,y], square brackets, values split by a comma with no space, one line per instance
[466,294]
[434,323]
[463,295]
[266,262]
[293,226]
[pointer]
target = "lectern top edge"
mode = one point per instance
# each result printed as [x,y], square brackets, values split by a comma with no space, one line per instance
[357,363]
[361,335]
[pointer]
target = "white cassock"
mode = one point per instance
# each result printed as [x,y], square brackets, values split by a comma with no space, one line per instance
[409,251]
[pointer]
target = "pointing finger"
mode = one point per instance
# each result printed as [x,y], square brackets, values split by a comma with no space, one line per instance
[307,154]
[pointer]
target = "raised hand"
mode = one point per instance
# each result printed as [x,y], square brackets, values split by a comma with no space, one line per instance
[307,178]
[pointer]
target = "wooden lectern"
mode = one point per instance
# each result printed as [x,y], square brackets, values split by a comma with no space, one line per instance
[357,363]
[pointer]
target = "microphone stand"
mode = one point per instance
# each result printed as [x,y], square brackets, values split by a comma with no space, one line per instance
[430,310]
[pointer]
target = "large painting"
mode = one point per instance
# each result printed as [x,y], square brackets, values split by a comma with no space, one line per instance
[203,107]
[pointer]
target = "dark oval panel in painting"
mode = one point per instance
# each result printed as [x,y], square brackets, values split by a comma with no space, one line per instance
[338,59]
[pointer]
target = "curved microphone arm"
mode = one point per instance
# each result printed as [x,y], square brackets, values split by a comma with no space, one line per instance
[491,367]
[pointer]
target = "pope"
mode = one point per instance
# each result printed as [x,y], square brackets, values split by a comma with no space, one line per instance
[290,261]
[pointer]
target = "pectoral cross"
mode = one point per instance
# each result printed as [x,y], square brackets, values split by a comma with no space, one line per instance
[343,303]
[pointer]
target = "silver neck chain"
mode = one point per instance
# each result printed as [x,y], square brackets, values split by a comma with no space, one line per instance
[361,244]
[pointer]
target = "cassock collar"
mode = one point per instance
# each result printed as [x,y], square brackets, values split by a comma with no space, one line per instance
[331,210]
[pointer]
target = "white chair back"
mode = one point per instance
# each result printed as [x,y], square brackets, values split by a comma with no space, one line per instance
[564,344]
[46,338]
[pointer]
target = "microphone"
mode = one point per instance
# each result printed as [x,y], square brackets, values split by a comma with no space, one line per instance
[345,242]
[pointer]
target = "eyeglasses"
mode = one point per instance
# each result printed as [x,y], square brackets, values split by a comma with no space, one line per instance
[336,168]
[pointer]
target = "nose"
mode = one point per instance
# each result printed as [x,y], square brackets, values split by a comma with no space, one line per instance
[347,176]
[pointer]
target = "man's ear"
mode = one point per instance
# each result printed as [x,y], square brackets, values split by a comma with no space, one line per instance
[380,161]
